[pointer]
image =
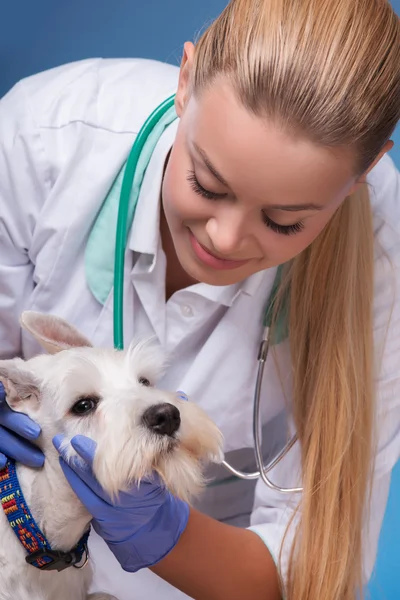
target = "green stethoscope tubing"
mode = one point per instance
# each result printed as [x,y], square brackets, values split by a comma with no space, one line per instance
[122,228]
[119,270]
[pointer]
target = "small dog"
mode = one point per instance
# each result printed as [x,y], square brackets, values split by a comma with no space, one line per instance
[109,396]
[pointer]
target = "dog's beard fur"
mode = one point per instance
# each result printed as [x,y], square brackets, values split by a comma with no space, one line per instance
[127,455]
[177,461]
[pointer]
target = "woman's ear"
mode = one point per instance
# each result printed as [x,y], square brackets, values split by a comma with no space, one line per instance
[183,92]
[361,180]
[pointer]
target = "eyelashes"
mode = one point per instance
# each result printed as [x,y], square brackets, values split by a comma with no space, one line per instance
[204,193]
[198,189]
[283,229]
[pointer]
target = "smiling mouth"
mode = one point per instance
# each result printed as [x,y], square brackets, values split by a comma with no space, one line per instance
[219,257]
[210,259]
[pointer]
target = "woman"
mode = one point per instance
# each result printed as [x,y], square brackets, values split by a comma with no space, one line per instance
[285,109]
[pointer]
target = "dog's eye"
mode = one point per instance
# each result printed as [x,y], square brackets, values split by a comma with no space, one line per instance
[85,405]
[144,381]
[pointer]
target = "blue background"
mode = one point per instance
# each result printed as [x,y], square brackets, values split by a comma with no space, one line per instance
[38,35]
[45,33]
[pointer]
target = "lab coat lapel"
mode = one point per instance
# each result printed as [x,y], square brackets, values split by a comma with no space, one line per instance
[102,333]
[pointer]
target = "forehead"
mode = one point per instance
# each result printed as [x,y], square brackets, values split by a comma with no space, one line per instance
[79,369]
[257,157]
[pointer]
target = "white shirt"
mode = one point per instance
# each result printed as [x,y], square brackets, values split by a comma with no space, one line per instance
[64,135]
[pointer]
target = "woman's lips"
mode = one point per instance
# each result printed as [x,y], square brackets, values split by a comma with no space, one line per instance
[212,261]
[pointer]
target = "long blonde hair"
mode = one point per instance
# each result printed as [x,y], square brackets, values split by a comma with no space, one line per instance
[327,70]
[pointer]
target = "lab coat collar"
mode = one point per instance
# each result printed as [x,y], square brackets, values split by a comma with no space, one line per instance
[145,231]
[227,294]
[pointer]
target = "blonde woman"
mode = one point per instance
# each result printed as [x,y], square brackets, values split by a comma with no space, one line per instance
[279,157]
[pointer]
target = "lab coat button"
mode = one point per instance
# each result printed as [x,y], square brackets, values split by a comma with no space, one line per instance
[187,310]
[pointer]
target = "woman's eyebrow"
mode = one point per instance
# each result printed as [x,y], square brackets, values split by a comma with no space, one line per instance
[209,165]
[295,207]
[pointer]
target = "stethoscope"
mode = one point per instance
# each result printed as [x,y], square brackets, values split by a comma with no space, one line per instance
[125,207]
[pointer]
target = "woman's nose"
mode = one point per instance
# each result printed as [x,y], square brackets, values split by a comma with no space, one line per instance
[226,233]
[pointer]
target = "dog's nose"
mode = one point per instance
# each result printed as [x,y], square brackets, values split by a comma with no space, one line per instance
[164,419]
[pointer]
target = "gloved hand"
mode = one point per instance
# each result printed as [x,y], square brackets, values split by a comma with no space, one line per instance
[15,429]
[142,526]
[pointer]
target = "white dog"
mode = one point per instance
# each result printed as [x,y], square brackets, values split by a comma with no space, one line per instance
[109,396]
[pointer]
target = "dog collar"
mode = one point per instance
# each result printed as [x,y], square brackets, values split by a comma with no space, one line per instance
[40,554]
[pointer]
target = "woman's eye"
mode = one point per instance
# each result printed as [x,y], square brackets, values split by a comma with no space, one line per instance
[283,229]
[86,405]
[144,381]
[200,190]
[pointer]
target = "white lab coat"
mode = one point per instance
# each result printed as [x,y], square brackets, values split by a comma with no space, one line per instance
[64,135]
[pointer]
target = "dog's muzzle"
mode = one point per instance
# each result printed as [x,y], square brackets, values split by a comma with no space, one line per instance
[163,419]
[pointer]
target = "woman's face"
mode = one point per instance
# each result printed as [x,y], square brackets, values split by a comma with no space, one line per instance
[241,195]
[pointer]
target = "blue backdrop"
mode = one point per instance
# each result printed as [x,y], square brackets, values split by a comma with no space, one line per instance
[38,35]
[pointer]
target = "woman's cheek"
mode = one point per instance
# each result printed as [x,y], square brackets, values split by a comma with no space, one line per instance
[296,243]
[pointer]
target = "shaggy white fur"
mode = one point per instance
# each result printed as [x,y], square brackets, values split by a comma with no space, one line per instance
[119,385]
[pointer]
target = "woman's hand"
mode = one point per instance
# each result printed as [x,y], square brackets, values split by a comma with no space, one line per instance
[16,430]
[148,527]
[141,526]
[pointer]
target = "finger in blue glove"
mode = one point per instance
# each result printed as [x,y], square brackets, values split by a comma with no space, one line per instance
[14,447]
[15,428]
[141,526]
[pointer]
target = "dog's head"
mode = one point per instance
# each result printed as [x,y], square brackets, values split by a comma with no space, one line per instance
[111,397]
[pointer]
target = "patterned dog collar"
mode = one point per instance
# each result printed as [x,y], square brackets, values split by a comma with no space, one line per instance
[40,554]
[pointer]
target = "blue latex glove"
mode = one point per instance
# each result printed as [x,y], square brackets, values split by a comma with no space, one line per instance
[15,429]
[142,526]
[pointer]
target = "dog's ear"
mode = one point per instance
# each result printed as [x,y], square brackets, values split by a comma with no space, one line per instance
[20,385]
[52,333]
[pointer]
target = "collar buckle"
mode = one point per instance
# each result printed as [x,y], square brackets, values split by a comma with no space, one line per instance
[55,560]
